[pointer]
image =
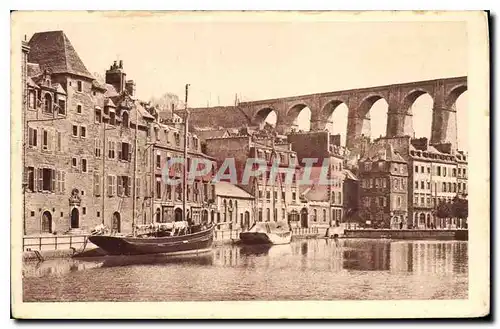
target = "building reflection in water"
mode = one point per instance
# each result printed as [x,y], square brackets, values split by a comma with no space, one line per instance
[351,255]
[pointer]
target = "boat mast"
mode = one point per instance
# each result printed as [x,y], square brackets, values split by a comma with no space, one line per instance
[184,176]
[134,203]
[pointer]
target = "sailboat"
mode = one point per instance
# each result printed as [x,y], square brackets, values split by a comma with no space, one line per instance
[179,239]
[273,233]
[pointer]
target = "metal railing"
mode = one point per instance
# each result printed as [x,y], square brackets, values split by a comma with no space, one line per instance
[54,242]
[305,231]
[226,235]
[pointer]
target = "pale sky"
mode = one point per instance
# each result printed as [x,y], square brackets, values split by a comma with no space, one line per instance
[260,60]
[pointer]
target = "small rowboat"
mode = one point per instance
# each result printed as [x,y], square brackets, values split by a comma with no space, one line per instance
[267,233]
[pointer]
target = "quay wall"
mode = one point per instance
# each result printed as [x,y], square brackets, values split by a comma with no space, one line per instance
[407,234]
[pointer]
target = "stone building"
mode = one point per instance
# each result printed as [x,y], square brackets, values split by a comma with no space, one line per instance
[383,175]
[275,199]
[80,146]
[437,173]
[322,146]
[351,194]
[435,179]
[167,144]
[235,206]
[92,151]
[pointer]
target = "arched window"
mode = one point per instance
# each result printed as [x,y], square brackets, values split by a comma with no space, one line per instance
[125,122]
[47,103]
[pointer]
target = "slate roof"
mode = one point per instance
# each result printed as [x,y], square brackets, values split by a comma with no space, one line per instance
[227,117]
[53,50]
[230,190]
[33,70]
[209,134]
[379,152]
[110,90]
[349,175]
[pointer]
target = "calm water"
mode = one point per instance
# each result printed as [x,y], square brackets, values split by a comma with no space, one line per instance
[304,270]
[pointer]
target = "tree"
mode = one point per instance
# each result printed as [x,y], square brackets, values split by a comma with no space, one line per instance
[444,210]
[460,208]
[166,101]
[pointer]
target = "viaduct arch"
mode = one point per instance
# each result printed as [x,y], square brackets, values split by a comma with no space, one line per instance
[399,98]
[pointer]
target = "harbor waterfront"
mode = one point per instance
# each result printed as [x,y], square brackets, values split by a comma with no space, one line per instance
[306,269]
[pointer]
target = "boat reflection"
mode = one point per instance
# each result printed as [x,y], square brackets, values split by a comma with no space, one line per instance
[255,249]
[57,267]
[205,258]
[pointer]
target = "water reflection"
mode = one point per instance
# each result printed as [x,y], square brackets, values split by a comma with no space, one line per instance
[355,255]
[305,269]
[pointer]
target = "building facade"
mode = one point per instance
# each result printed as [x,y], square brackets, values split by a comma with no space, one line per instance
[437,174]
[275,197]
[234,206]
[327,152]
[93,152]
[168,143]
[383,175]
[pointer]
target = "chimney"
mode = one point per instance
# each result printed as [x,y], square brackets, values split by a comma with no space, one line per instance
[130,87]
[116,76]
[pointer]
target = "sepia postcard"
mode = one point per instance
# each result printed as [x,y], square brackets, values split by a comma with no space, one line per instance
[229,165]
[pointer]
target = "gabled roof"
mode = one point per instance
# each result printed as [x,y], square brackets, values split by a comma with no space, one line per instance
[229,190]
[109,102]
[349,174]
[227,117]
[53,50]
[110,90]
[33,70]
[59,88]
[209,134]
[31,83]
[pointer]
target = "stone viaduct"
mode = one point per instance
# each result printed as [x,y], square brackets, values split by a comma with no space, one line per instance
[399,98]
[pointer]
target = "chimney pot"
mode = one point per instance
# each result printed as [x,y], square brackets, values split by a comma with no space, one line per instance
[121,64]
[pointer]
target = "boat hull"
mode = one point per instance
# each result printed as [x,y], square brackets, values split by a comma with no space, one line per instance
[184,244]
[265,238]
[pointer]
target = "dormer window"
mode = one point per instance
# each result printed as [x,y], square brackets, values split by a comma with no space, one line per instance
[112,120]
[125,121]
[48,103]
[31,100]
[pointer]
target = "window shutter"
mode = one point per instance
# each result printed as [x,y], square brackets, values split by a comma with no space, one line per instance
[110,185]
[129,152]
[35,179]
[129,186]
[120,148]
[114,185]
[53,180]
[120,186]
[50,140]
[30,136]
[96,183]
[58,181]
[40,179]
